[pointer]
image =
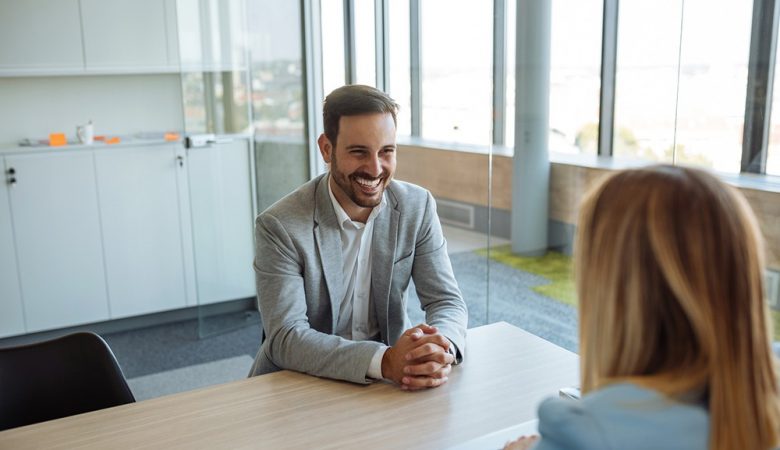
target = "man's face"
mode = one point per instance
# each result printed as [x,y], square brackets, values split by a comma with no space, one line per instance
[363,161]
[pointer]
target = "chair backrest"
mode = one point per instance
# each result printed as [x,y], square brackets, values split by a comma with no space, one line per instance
[61,377]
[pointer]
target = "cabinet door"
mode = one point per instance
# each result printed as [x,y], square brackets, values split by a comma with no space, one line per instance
[139,209]
[58,241]
[128,33]
[11,316]
[222,221]
[40,34]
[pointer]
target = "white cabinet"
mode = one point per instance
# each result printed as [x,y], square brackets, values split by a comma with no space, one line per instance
[56,224]
[222,221]
[91,235]
[139,211]
[61,37]
[40,34]
[11,315]
[129,33]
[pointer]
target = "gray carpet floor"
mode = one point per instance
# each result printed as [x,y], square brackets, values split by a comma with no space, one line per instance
[507,295]
[142,353]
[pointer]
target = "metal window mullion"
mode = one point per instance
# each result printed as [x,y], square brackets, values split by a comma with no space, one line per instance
[312,60]
[350,65]
[499,71]
[758,100]
[382,40]
[608,70]
[415,51]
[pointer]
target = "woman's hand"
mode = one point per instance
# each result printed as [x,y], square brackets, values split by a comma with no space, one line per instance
[522,443]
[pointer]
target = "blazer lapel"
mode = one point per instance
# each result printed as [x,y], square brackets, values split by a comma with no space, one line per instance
[328,238]
[383,250]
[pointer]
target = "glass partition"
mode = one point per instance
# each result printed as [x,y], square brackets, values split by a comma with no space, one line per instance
[278,102]
[216,109]
[451,117]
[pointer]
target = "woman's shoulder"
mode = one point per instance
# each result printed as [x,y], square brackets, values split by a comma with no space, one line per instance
[622,416]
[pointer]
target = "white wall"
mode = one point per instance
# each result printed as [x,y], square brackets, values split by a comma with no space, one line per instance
[33,107]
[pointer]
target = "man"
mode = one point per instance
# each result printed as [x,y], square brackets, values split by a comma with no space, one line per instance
[335,257]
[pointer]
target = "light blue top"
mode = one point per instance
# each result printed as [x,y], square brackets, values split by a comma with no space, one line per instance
[623,416]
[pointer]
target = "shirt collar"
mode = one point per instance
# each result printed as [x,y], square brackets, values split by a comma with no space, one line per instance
[342,216]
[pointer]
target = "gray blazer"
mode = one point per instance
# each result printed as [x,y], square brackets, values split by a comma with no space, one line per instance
[299,281]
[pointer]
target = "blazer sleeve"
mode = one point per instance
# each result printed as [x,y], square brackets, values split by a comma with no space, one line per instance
[565,425]
[435,283]
[290,341]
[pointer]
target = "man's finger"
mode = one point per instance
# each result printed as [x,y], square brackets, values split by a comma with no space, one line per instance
[436,339]
[425,329]
[429,368]
[415,333]
[413,383]
[426,351]
[426,368]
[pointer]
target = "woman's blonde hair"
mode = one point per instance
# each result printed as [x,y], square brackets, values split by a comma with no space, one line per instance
[669,272]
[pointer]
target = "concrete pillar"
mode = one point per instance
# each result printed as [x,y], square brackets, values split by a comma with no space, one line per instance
[531,165]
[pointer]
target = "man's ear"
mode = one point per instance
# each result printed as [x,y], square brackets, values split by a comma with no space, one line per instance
[326,148]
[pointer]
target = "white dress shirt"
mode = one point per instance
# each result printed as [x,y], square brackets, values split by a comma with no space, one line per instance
[357,318]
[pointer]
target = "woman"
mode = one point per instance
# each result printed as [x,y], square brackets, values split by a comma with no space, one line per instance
[674,331]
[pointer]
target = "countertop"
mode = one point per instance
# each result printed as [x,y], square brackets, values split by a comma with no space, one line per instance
[15,149]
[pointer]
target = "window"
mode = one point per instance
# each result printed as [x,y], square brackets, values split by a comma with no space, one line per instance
[276,65]
[456,72]
[333,62]
[646,79]
[511,57]
[365,43]
[400,82]
[773,155]
[702,122]
[713,83]
[575,75]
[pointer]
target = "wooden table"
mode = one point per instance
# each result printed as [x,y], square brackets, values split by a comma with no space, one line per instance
[506,373]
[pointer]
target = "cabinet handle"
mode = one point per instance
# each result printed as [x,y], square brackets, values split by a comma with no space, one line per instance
[11,171]
[180,159]
[12,181]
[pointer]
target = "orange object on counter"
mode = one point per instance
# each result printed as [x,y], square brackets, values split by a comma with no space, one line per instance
[113,140]
[100,138]
[57,139]
[171,136]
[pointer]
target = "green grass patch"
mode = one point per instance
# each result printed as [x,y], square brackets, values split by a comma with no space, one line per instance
[776,320]
[554,266]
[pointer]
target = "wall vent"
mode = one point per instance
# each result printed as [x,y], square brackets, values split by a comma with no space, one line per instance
[454,213]
[773,288]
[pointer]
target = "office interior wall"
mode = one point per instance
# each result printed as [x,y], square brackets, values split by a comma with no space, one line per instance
[33,107]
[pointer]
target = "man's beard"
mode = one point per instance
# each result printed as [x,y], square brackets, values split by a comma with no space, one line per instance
[347,184]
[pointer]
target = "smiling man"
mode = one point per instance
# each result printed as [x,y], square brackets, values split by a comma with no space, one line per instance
[335,257]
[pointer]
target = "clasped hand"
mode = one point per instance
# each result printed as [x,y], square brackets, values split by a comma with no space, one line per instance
[419,360]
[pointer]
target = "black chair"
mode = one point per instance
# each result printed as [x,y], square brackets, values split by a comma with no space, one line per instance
[61,377]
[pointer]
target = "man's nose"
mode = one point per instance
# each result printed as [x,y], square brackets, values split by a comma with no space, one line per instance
[374,166]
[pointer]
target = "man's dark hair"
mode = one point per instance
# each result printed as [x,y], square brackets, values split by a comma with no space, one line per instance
[354,100]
